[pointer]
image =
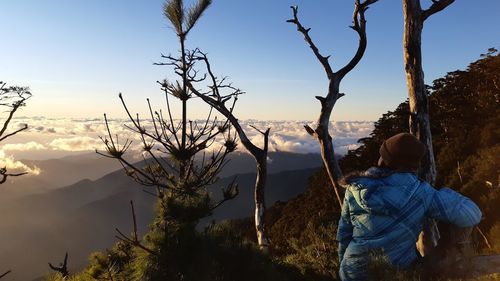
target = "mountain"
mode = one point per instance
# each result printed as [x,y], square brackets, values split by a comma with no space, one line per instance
[81,218]
[55,173]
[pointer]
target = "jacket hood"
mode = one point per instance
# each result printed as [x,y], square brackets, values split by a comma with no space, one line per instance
[380,190]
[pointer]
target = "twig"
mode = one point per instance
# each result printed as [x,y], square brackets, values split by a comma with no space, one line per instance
[62,268]
[134,241]
[4,274]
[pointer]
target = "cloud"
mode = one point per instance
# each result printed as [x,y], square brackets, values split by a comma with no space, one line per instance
[291,136]
[76,144]
[32,145]
[65,134]
[14,166]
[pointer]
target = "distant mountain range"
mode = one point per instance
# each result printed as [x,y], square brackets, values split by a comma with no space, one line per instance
[81,217]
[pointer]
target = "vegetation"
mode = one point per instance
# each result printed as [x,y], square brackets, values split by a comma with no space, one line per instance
[464,108]
[12,98]
[302,230]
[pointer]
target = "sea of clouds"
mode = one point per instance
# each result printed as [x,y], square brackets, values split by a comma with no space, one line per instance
[55,137]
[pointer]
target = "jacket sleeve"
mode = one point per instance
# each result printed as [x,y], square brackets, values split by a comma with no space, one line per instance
[452,207]
[344,230]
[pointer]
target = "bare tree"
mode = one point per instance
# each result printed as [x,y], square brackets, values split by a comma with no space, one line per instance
[419,123]
[414,17]
[320,131]
[219,93]
[175,158]
[62,268]
[12,98]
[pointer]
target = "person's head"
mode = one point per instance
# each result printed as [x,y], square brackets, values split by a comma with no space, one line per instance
[401,152]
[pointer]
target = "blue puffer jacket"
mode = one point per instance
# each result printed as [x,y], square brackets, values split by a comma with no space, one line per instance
[386,211]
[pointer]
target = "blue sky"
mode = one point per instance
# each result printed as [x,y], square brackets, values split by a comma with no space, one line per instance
[77,55]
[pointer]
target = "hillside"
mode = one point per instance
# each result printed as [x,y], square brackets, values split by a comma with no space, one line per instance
[81,218]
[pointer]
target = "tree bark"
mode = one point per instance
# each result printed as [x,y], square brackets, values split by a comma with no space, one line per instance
[419,106]
[419,122]
[260,204]
[322,135]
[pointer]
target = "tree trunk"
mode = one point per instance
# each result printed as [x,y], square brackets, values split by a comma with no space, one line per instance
[260,204]
[419,122]
[321,131]
[327,152]
[419,106]
[260,156]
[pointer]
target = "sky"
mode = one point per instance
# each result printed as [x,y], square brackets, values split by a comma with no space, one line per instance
[76,56]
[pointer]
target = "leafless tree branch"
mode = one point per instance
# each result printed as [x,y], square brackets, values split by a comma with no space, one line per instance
[4,274]
[134,240]
[13,98]
[62,268]
[320,131]
[220,93]
[437,6]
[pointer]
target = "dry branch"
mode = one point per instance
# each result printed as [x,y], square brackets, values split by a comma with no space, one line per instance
[437,6]
[320,131]
[134,240]
[220,93]
[62,268]
[13,98]
[4,274]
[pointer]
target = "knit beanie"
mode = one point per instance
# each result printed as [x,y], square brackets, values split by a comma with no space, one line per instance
[402,151]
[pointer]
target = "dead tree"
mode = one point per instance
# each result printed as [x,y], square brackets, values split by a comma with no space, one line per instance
[220,92]
[419,123]
[320,131]
[62,268]
[414,18]
[12,98]
[176,162]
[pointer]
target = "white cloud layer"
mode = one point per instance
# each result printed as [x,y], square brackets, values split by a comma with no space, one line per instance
[59,134]
[32,145]
[75,144]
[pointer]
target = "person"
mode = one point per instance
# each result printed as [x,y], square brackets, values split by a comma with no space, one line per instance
[384,209]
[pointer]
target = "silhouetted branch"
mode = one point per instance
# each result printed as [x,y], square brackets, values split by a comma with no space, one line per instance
[4,174]
[13,98]
[4,274]
[134,240]
[359,26]
[230,192]
[437,6]
[62,268]
[305,31]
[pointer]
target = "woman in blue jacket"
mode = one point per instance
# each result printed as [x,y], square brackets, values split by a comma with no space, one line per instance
[385,207]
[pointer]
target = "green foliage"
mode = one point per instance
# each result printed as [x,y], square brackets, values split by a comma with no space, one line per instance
[315,252]
[379,268]
[317,206]
[175,12]
[366,155]
[218,253]
[465,113]
[494,236]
